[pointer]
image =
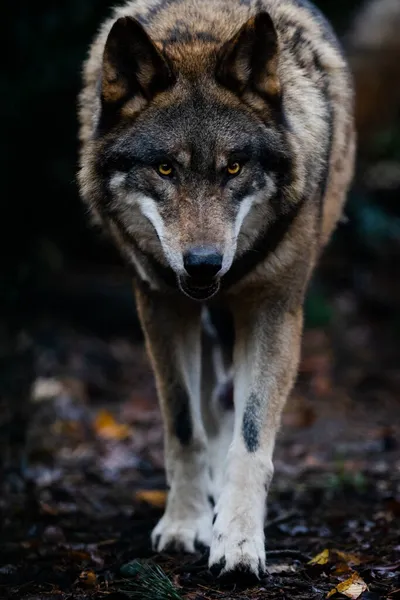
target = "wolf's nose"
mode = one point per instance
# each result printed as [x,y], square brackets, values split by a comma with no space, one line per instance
[202,263]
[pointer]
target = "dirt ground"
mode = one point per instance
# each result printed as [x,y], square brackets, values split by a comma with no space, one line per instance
[77,507]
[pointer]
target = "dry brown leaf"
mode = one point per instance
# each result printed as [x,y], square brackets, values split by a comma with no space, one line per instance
[156,498]
[351,588]
[349,559]
[78,555]
[107,427]
[342,568]
[321,559]
[88,578]
[69,428]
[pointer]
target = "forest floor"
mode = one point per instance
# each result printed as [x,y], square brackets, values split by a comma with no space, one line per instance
[75,519]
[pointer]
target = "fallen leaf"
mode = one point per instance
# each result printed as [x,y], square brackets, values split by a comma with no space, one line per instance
[280,568]
[156,498]
[342,558]
[46,389]
[351,588]
[69,428]
[78,555]
[349,559]
[88,578]
[107,427]
[321,559]
[342,569]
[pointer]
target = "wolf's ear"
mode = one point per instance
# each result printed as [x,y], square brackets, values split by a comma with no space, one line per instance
[249,60]
[132,65]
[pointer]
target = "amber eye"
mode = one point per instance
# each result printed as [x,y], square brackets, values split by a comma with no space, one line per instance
[234,168]
[165,169]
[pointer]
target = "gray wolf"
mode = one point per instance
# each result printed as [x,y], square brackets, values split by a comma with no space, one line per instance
[217,147]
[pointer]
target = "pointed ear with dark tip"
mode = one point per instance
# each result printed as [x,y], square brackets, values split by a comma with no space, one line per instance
[249,60]
[132,65]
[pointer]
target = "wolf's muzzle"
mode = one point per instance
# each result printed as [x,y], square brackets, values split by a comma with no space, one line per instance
[202,265]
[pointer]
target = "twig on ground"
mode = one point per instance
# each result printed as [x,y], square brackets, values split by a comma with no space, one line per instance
[288,553]
[281,519]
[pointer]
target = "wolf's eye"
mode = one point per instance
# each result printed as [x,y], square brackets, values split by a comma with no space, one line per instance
[165,169]
[234,168]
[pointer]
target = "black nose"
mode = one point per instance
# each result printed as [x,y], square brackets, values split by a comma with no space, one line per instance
[202,262]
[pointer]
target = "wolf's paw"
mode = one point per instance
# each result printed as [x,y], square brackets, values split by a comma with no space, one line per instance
[237,544]
[232,554]
[190,534]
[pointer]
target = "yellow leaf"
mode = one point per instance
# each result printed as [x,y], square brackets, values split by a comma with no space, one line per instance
[343,558]
[351,588]
[321,559]
[156,498]
[107,427]
[88,578]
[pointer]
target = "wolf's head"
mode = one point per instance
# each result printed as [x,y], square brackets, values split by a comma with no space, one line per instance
[190,160]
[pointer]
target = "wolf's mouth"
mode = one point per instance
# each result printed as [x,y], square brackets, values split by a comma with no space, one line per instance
[197,290]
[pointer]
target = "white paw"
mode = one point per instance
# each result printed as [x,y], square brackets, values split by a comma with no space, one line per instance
[238,542]
[183,528]
[232,552]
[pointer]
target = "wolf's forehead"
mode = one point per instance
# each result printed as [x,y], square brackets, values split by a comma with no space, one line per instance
[200,120]
[213,123]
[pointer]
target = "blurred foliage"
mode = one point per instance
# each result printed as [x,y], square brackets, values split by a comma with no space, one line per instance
[43,226]
[317,310]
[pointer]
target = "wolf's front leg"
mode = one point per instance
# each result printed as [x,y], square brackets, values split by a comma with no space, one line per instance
[265,362]
[172,331]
